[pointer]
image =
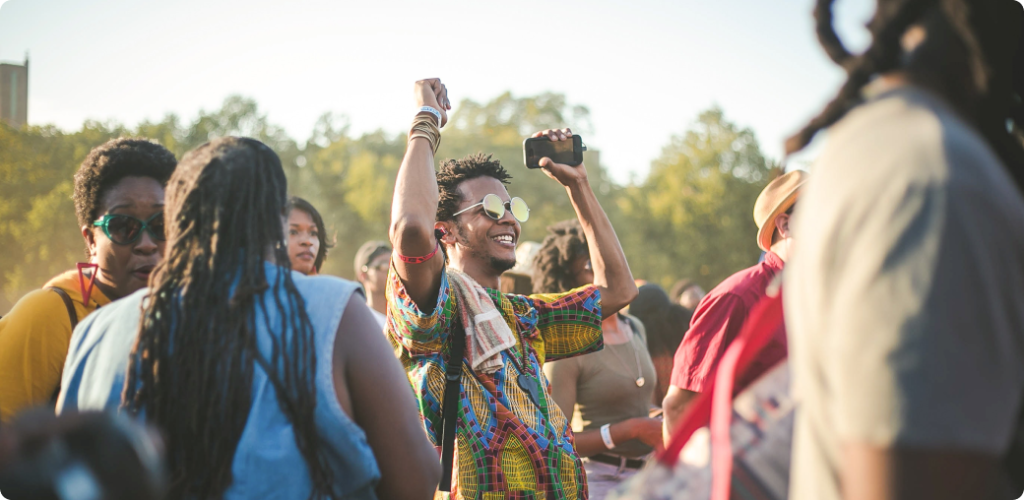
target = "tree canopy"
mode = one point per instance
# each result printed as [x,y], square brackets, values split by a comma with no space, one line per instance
[690,217]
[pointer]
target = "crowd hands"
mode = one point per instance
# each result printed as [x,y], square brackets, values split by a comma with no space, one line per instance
[199,352]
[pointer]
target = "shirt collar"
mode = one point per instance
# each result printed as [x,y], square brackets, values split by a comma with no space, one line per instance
[773,261]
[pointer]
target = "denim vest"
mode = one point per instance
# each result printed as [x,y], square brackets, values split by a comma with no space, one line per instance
[267,462]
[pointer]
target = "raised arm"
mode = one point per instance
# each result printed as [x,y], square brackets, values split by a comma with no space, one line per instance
[415,204]
[611,272]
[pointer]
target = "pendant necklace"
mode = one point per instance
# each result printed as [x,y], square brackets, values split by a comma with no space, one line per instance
[528,384]
[640,381]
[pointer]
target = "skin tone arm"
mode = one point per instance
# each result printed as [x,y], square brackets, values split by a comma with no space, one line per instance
[873,473]
[611,272]
[415,205]
[373,389]
[563,376]
[674,405]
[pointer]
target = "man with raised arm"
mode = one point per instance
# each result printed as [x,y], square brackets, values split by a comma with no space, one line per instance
[454,232]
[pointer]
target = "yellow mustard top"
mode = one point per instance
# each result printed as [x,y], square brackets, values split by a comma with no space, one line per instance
[34,338]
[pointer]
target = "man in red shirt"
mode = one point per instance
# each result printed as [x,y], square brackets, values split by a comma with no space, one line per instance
[720,315]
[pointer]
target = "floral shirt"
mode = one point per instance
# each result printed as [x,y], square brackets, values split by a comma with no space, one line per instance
[507,446]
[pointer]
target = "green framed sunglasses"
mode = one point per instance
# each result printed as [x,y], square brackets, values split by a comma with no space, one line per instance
[125,229]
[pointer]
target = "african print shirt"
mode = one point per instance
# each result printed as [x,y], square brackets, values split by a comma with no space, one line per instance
[506,447]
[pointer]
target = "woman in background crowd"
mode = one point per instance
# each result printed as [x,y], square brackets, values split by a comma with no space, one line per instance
[265,383]
[119,201]
[307,248]
[372,262]
[665,324]
[609,392]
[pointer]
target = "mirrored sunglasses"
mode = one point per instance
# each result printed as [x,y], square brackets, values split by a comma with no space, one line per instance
[125,229]
[495,208]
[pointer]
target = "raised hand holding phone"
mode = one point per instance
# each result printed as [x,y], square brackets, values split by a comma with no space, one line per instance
[564,173]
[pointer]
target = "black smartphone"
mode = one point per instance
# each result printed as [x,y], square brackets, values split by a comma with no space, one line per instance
[567,152]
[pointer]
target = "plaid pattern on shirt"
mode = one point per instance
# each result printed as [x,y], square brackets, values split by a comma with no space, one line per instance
[506,447]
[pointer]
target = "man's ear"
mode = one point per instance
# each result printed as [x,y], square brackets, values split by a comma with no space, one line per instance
[445,232]
[782,225]
[90,240]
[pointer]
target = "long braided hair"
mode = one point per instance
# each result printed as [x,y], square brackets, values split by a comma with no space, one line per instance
[192,365]
[989,30]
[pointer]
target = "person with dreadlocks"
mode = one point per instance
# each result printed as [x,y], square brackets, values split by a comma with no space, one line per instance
[266,383]
[609,390]
[119,201]
[454,232]
[905,304]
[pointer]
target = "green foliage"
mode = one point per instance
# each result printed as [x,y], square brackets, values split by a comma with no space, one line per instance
[693,215]
[690,218]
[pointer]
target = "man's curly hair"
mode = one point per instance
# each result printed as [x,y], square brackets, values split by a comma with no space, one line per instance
[564,243]
[455,172]
[112,161]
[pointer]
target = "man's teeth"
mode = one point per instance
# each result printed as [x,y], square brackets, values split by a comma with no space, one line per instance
[505,238]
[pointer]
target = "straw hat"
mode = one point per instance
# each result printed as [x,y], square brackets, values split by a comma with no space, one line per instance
[775,199]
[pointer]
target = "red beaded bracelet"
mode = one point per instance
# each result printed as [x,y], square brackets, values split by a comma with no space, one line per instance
[419,260]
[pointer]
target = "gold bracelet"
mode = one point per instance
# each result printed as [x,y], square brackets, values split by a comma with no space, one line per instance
[426,127]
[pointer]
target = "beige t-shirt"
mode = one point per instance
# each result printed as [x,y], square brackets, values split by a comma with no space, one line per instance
[603,386]
[905,297]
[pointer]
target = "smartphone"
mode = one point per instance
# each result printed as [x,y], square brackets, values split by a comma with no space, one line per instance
[568,152]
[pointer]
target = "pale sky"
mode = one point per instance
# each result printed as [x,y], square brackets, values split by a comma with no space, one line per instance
[645,68]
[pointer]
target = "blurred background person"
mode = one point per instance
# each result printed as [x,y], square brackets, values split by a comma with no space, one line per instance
[518,280]
[687,293]
[307,246]
[721,314]
[904,303]
[119,202]
[665,324]
[608,393]
[372,262]
[89,455]
[266,383]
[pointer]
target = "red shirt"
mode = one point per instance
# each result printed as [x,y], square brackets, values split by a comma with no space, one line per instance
[717,321]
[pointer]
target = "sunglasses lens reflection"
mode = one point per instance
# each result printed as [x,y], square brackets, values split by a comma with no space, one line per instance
[123,229]
[493,206]
[157,229]
[519,210]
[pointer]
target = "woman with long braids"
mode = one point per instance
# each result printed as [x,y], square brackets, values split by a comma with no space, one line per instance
[905,305]
[266,383]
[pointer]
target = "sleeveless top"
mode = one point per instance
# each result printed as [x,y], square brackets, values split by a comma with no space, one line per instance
[267,462]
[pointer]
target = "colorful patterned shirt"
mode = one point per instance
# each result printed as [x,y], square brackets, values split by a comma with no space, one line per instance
[506,446]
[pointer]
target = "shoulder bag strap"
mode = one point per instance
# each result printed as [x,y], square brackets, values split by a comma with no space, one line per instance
[72,315]
[698,412]
[450,410]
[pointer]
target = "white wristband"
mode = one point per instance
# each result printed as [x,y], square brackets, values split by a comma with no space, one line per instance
[433,111]
[606,436]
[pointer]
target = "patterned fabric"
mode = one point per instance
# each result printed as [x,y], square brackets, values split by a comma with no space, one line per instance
[506,447]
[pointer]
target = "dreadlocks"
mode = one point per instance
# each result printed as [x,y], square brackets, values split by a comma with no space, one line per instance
[564,243]
[987,49]
[192,365]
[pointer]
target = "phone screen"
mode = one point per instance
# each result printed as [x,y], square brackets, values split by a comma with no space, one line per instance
[558,151]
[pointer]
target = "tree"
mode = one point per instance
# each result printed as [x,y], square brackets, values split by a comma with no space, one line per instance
[692,216]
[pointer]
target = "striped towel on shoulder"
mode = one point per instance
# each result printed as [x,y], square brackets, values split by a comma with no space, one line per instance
[487,333]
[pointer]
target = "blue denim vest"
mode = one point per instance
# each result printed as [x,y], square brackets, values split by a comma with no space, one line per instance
[267,462]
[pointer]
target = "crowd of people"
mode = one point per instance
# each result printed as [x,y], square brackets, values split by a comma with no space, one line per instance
[198,351]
